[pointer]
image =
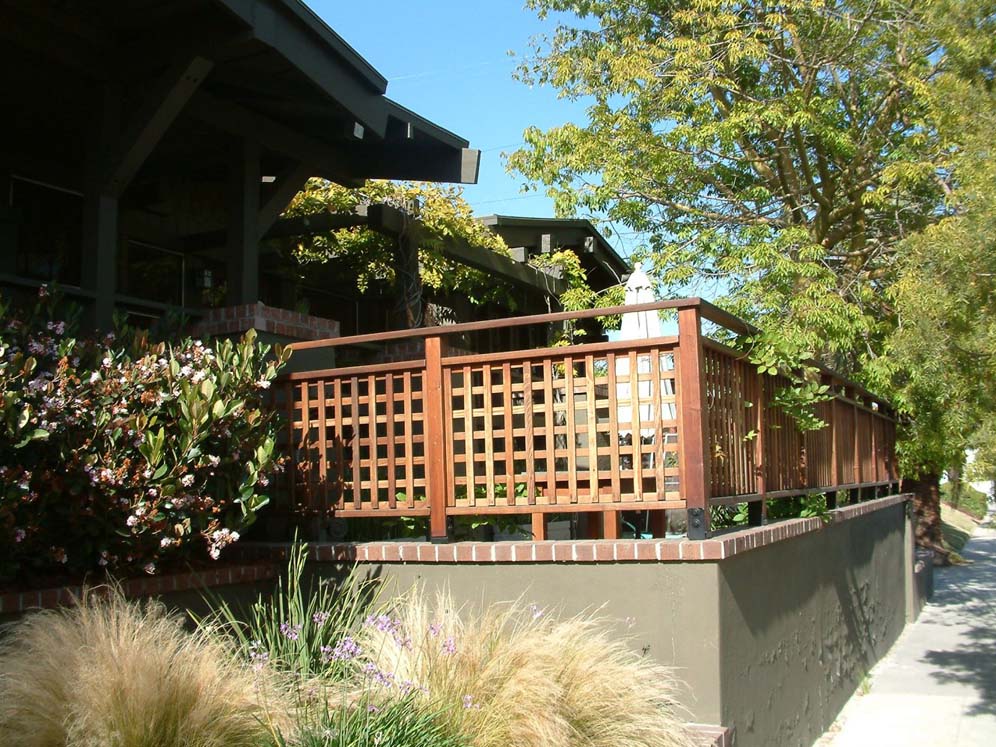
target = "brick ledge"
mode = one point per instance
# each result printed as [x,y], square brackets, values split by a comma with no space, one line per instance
[572,551]
[16,602]
[712,736]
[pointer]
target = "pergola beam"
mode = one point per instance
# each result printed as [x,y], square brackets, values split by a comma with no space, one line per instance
[154,117]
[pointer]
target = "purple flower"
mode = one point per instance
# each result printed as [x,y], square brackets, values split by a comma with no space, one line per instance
[536,611]
[259,659]
[319,618]
[449,647]
[384,679]
[345,650]
[19,535]
[290,632]
[468,703]
[373,709]
[435,629]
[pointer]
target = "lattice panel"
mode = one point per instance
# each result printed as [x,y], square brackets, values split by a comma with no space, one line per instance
[359,442]
[731,393]
[570,429]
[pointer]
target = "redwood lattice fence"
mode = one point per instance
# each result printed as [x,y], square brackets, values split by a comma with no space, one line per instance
[668,423]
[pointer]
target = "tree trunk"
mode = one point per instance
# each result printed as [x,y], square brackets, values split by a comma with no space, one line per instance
[957,486]
[926,490]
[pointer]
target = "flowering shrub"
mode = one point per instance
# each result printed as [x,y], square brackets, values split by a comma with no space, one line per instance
[120,453]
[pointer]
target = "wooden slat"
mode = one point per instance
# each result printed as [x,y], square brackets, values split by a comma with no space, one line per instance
[635,423]
[658,410]
[592,430]
[374,440]
[551,439]
[450,439]
[614,463]
[506,399]
[468,435]
[354,384]
[323,466]
[572,438]
[527,407]
[489,435]
[292,469]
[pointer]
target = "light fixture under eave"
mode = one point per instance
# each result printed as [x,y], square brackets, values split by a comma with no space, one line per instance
[268,179]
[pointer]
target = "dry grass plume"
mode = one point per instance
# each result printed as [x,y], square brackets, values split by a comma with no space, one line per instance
[511,676]
[114,673]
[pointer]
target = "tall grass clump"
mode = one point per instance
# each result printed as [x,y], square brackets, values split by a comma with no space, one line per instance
[296,628]
[114,673]
[306,636]
[511,675]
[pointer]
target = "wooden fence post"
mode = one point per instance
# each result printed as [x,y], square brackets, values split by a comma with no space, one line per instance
[695,457]
[757,511]
[435,434]
[834,466]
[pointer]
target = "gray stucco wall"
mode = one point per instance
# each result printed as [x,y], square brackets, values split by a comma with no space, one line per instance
[668,611]
[802,622]
[772,641]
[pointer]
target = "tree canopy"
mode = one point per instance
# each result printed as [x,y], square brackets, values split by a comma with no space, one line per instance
[803,161]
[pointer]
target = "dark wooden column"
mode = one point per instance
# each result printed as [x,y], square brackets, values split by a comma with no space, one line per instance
[243,224]
[100,209]
[694,438]
[8,234]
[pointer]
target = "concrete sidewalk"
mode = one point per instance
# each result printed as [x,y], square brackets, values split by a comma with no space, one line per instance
[937,686]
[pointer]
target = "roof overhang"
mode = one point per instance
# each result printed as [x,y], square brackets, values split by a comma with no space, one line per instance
[525,231]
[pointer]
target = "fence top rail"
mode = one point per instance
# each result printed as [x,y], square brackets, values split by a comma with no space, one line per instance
[828,372]
[708,311]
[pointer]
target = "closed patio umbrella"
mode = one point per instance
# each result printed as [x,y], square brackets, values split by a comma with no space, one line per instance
[637,325]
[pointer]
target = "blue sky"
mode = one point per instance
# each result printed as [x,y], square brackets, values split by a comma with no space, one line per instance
[449,62]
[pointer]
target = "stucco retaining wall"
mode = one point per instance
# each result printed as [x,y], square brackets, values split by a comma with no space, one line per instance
[771,629]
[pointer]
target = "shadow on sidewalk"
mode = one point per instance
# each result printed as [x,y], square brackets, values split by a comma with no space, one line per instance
[966,597]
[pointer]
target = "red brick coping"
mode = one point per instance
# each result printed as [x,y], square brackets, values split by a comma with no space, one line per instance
[722,546]
[229,320]
[21,601]
[712,736]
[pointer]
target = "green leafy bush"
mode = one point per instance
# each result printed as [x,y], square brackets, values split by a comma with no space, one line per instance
[120,453]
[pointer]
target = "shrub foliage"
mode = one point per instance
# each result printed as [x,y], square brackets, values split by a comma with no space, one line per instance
[121,452]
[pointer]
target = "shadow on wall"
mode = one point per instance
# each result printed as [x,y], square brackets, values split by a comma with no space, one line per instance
[803,621]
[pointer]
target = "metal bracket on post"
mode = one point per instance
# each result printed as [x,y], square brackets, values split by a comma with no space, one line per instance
[697,524]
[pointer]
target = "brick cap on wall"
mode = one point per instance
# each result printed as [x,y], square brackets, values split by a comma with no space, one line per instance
[720,547]
[712,736]
[235,320]
[16,602]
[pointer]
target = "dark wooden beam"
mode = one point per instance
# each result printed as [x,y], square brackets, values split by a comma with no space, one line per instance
[288,184]
[409,161]
[323,160]
[161,107]
[243,219]
[390,220]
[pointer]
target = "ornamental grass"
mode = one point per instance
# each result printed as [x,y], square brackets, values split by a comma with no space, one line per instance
[512,675]
[114,673]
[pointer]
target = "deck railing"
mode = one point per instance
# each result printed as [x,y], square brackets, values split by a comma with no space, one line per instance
[668,423]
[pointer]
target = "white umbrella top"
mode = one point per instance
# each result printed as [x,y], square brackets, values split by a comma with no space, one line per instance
[639,325]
